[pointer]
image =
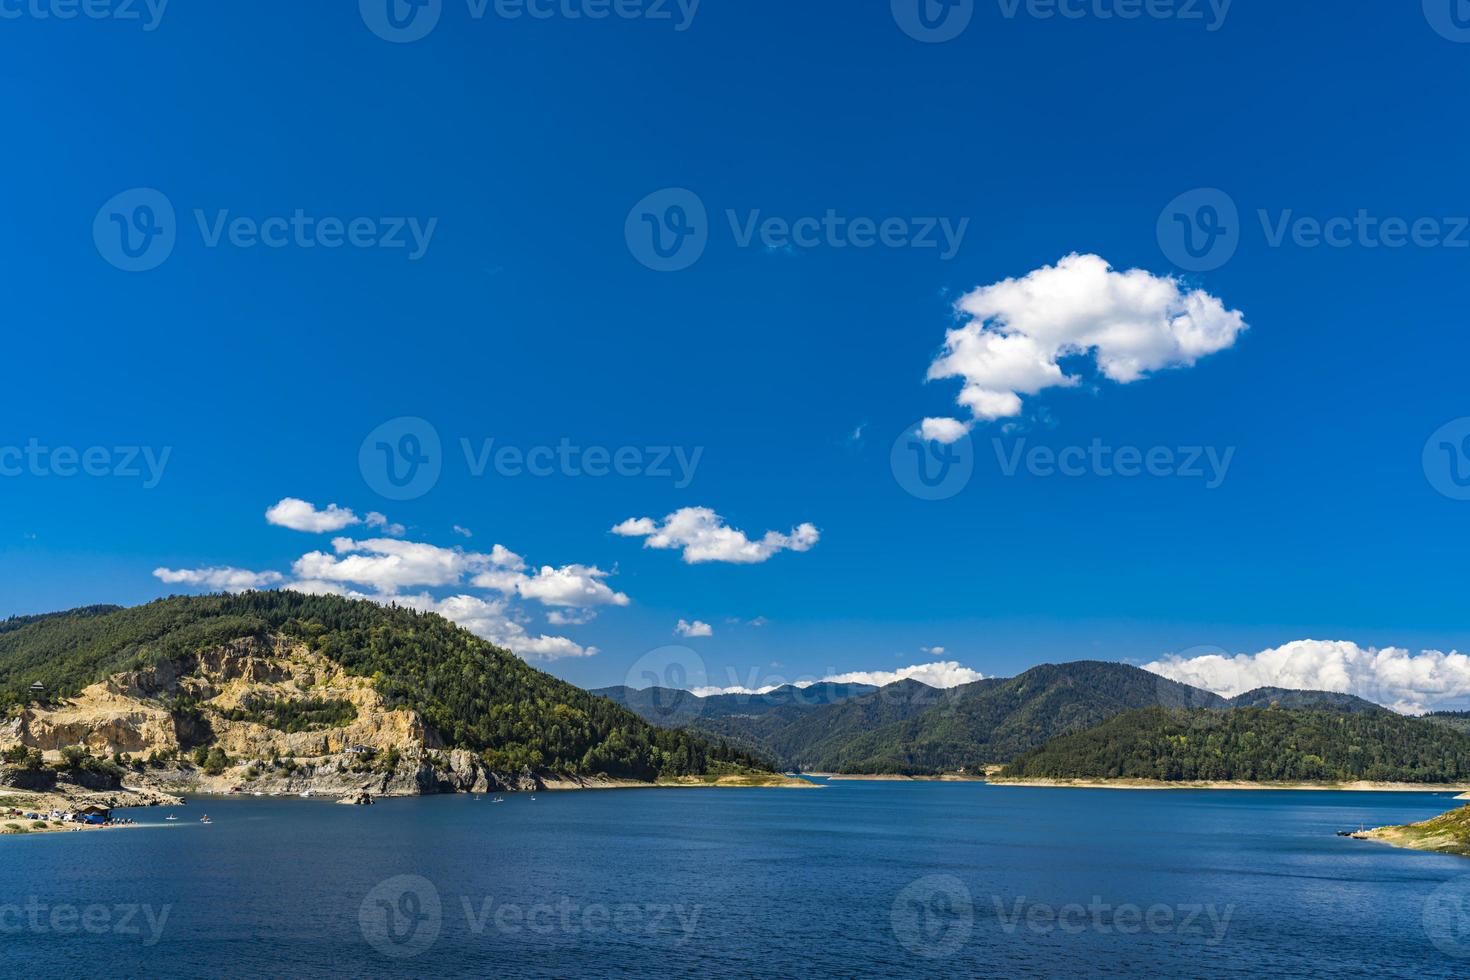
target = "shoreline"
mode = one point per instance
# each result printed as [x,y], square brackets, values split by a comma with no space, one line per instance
[1360,786]
[880,777]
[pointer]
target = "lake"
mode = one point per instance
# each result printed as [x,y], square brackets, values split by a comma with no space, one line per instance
[870,879]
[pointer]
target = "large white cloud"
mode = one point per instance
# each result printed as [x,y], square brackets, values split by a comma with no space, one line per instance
[1391,676]
[571,586]
[490,619]
[1018,331]
[704,536]
[220,578]
[299,515]
[387,564]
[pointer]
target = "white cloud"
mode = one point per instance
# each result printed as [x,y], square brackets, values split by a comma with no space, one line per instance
[940,675]
[704,536]
[571,617]
[375,519]
[943,674]
[1130,323]
[298,515]
[387,565]
[223,579]
[932,651]
[577,586]
[463,531]
[489,620]
[390,570]
[696,628]
[1391,676]
[944,431]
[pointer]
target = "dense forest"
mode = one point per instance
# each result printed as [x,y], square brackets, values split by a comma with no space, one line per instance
[1254,744]
[476,695]
[910,728]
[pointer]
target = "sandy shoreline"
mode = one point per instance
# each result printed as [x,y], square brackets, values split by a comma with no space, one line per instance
[1353,787]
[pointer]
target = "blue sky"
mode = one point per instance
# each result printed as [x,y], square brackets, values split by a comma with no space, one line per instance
[524,152]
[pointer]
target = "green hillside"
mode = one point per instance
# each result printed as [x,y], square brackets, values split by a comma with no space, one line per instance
[475,695]
[1253,744]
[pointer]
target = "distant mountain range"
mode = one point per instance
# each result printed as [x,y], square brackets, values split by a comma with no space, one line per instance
[909,727]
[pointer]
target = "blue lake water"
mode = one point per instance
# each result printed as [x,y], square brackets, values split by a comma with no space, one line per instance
[869,879]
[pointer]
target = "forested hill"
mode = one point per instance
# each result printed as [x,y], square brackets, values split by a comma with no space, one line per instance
[1254,744]
[472,694]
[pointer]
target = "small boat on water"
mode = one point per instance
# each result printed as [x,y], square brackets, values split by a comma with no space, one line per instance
[306,794]
[497,800]
[205,819]
[170,817]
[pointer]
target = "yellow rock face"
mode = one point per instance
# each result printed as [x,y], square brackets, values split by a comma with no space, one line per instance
[126,713]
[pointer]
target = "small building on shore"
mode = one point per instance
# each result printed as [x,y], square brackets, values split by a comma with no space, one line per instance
[94,814]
